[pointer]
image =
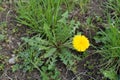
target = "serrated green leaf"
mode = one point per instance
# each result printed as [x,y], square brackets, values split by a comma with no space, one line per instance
[49,52]
[2,37]
[44,76]
[64,17]
[111,74]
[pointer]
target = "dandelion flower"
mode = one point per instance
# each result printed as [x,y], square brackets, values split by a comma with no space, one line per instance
[80,43]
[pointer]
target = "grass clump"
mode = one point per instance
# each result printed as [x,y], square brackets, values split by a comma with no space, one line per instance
[110,51]
[110,41]
[35,14]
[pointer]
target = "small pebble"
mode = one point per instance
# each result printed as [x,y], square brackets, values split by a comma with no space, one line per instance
[12,60]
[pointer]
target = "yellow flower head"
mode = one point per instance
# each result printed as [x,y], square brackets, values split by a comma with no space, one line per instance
[80,43]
